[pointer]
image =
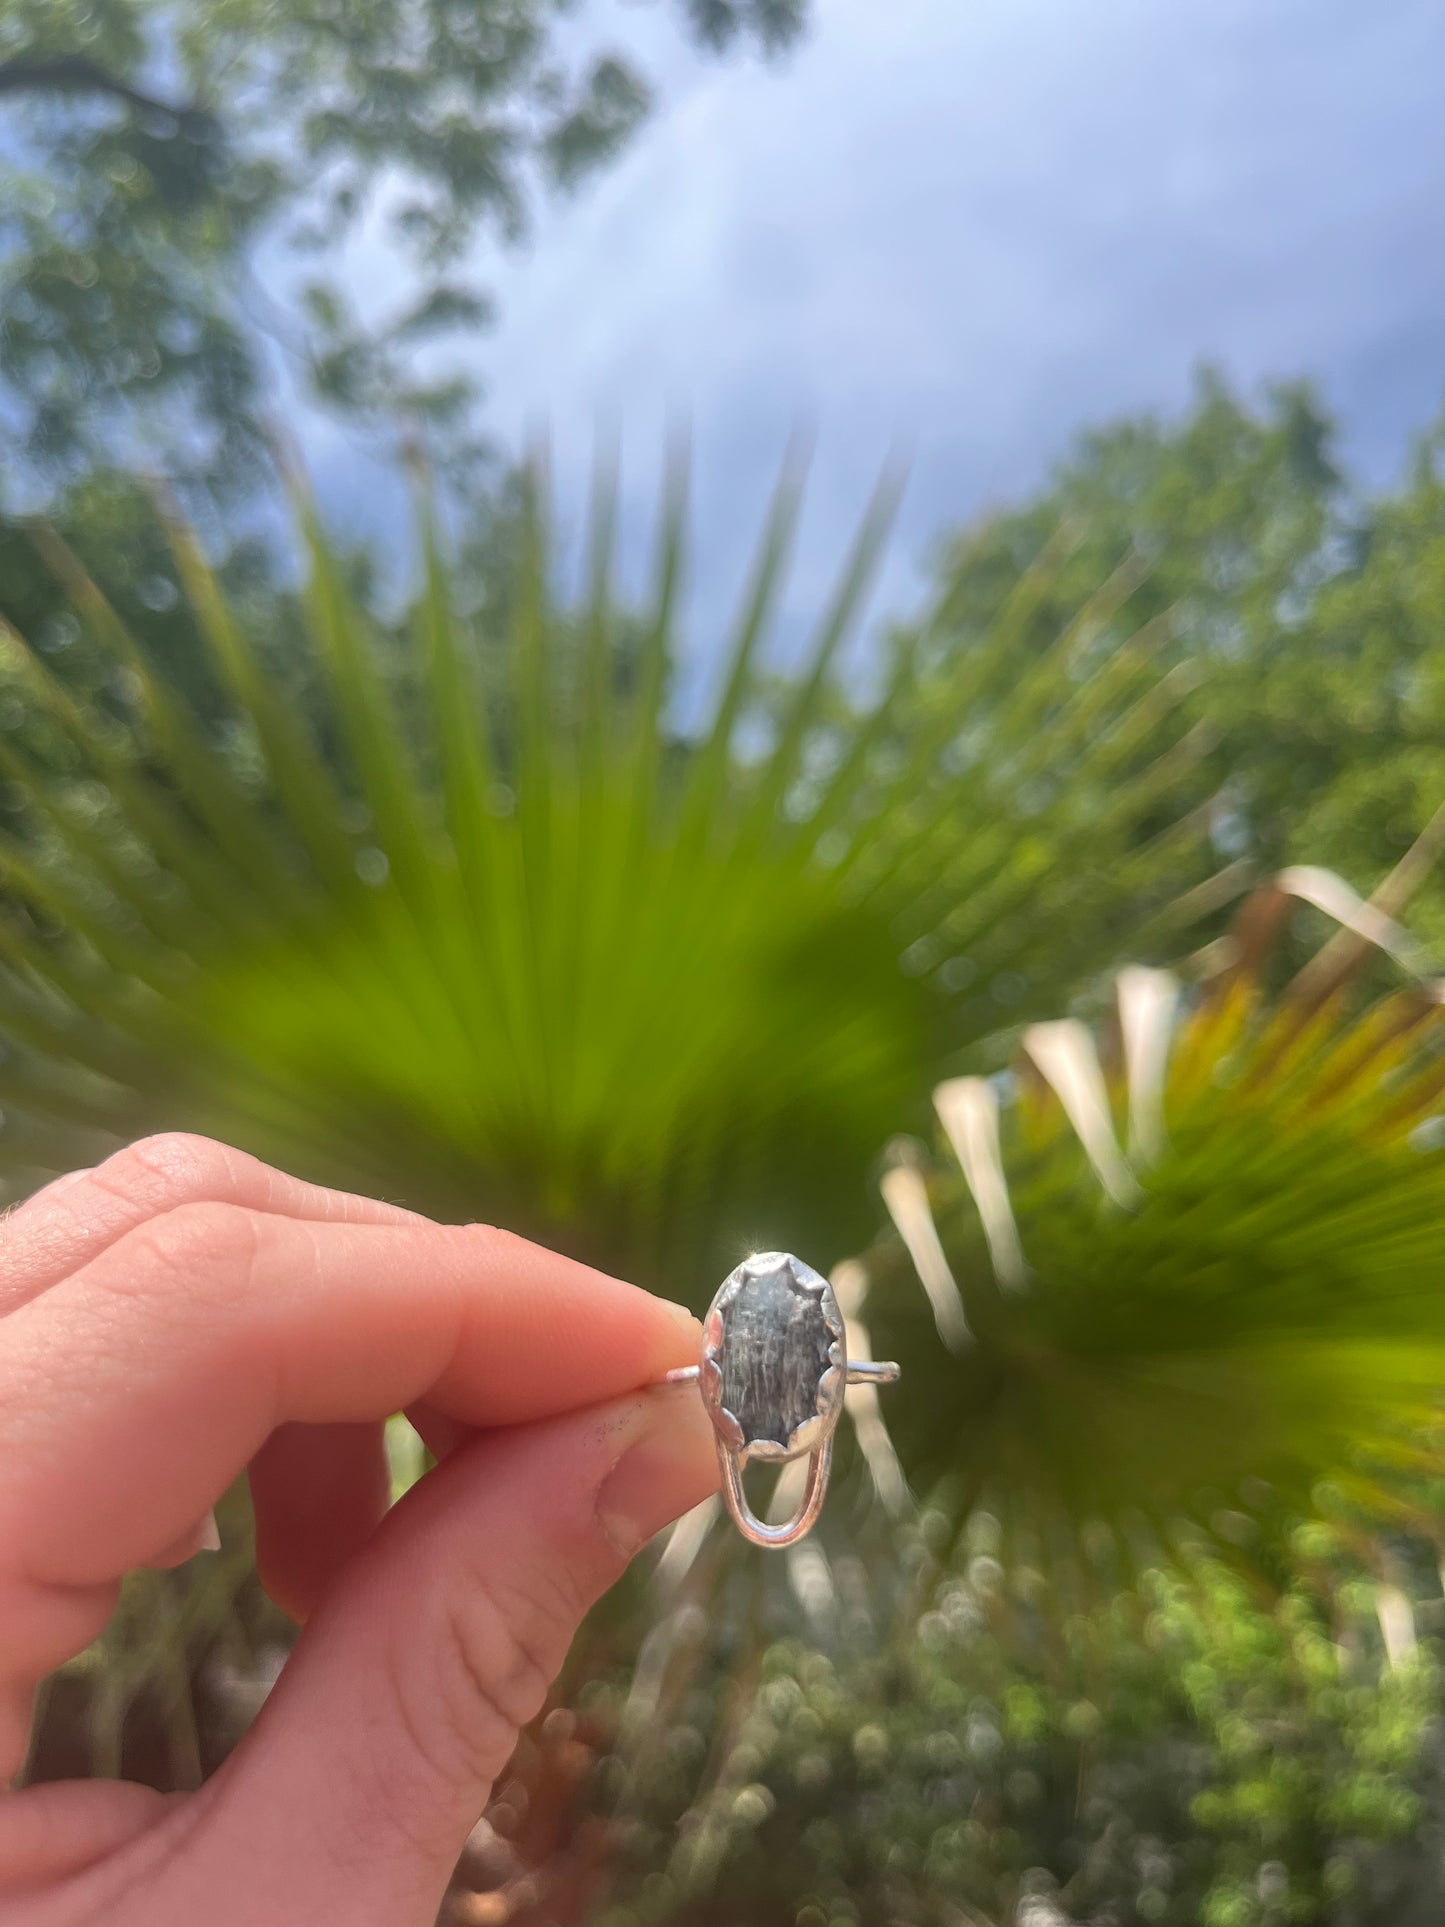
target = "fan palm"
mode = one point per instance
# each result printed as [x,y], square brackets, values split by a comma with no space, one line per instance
[495,938]
[1192,1276]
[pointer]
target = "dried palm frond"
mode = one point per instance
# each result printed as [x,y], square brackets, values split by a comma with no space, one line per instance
[1198,1256]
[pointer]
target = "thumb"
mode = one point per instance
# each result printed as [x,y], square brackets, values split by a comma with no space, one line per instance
[352,1796]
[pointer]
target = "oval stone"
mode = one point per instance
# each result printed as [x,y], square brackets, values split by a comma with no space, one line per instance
[775,1348]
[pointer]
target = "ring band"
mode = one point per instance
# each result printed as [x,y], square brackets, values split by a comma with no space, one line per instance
[861,1371]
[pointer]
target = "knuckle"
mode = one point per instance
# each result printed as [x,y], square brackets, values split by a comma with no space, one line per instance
[167,1168]
[504,1670]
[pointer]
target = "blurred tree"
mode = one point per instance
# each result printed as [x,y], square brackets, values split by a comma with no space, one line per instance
[112,526]
[1319,613]
[1187,1752]
[153,147]
[1342,727]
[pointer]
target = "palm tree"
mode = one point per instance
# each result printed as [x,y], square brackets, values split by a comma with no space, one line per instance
[493,934]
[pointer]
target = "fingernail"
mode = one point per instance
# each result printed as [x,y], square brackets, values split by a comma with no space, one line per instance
[203,1536]
[688,1331]
[670,1466]
[17,1714]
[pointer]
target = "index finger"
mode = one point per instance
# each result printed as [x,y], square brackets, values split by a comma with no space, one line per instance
[132,1393]
[72,1220]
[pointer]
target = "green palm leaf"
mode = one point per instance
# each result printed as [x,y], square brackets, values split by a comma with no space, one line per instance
[488,934]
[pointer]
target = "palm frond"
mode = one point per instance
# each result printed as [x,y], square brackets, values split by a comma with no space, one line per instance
[486,931]
[1199,1254]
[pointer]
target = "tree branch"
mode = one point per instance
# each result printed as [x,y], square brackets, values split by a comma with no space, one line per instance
[79,74]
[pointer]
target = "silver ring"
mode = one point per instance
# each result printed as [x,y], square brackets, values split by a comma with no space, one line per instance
[772,1373]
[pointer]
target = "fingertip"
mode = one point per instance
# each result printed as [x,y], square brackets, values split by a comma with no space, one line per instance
[670,1465]
[541,1334]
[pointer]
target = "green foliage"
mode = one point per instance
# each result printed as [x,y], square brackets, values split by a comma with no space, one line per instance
[111,525]
[1187,1752]
[500,943]
[1353,714]
[152,146]
[1045,738]
[1318,611]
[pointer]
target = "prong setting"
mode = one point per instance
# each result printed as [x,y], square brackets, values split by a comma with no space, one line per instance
[773,1374]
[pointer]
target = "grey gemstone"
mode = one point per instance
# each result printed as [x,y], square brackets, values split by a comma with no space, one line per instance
[774,1351]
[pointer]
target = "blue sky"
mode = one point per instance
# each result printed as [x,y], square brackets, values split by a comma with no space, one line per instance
[976,226]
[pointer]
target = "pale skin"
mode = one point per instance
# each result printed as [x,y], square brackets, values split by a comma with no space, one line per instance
[182,1313]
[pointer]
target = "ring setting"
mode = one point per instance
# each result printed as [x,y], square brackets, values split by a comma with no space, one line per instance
[773,1372]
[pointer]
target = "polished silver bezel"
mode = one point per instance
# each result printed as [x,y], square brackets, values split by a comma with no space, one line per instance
[810,1433]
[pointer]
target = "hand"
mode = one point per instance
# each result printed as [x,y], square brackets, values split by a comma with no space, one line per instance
[182,1312]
